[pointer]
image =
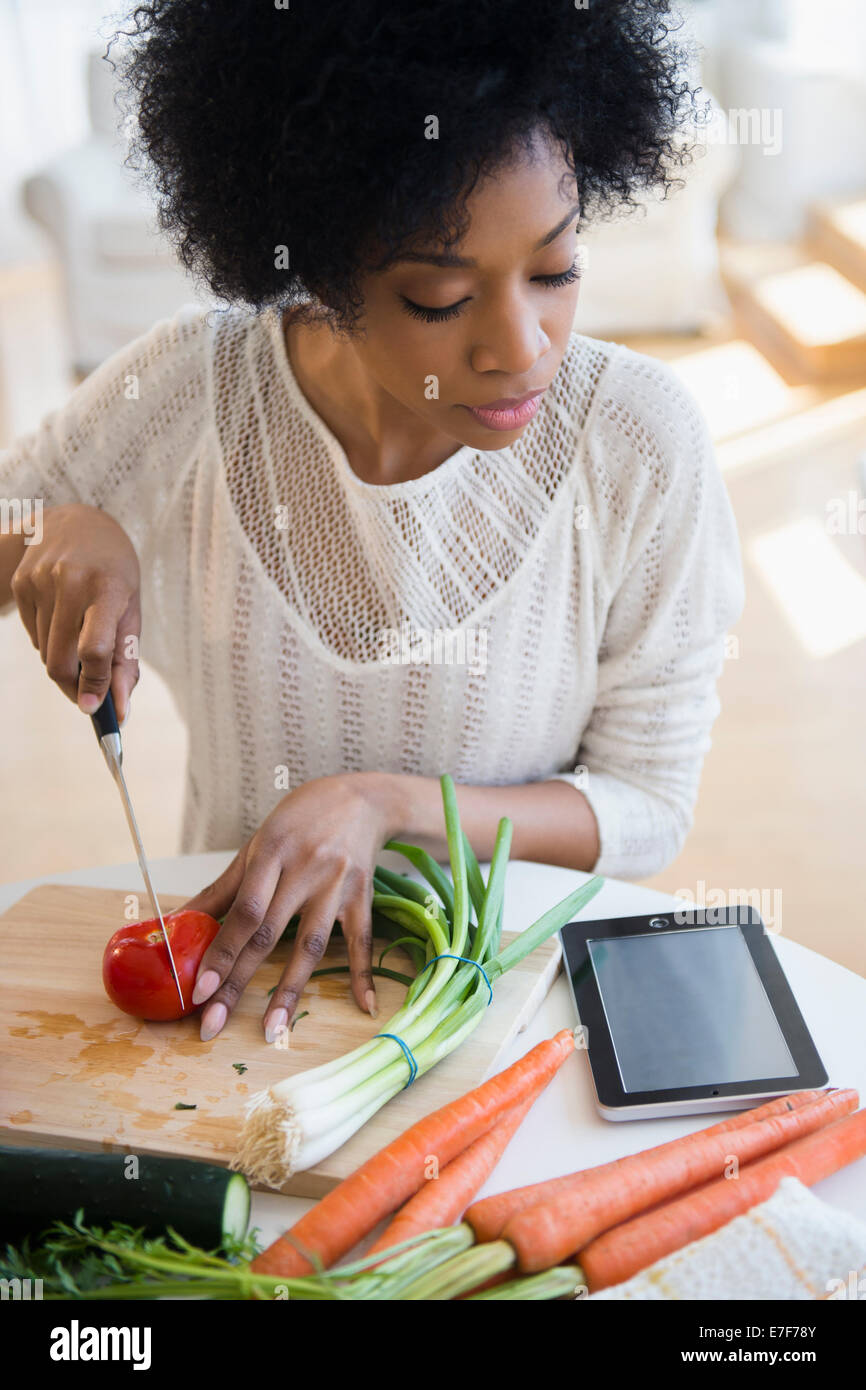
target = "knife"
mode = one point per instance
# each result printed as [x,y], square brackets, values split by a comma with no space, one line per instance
[108,733]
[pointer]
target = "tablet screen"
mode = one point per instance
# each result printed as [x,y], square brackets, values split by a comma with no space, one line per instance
[687,1008]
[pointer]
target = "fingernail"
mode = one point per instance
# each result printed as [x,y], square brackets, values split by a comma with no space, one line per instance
[276,1022]
[370,1001]
[205,986]
[212,1021]
[89,704]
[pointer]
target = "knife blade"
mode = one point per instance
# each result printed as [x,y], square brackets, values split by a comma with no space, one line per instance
[108,734]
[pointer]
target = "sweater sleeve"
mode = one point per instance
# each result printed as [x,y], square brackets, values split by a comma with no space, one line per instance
[122,442]
[679,587]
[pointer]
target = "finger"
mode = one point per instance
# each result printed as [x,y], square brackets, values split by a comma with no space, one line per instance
[125,671]
[44,613]
[316,925]
[287,897]
[25,599]
[243,920]
[95,651]
[217,897]
[356,918]
[61,660]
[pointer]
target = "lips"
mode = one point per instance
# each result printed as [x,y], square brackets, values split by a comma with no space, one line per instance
[509,402]
[508,415]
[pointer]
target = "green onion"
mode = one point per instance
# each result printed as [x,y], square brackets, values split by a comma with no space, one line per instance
[462,1272]
[427,866]
[490,916]
[297,1123]
[469,1268]
[475,877]
[563,1281]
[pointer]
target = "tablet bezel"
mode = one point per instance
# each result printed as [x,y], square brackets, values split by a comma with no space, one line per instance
[616,1103]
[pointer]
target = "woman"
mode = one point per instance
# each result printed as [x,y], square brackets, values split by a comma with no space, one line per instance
[386,514]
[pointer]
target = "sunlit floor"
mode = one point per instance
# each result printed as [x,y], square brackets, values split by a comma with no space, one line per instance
[780,816]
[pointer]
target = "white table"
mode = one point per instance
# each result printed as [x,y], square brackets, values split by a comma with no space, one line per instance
[565,1132]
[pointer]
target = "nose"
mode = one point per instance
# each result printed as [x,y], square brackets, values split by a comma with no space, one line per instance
[510,338]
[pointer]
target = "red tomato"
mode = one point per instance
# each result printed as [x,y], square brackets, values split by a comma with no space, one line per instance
[136,970]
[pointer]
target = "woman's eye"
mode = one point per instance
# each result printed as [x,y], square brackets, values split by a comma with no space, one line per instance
[421,311]
[428,315]
[566,277]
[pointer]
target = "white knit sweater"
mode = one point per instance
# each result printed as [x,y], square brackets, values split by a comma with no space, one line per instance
[581,580]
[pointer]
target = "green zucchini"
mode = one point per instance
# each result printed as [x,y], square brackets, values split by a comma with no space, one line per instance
[203,1203]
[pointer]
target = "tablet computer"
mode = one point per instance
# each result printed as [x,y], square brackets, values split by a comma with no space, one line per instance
[686,1011]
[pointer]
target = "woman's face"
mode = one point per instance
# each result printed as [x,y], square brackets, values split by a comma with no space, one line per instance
[491,323]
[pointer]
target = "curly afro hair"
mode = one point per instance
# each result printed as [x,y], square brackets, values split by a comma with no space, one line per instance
[307,126]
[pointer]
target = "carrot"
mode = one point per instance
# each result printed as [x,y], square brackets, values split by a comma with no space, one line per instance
[489,1216]
[623,1251]
[546,1234]
[351,1210]
[442,1202]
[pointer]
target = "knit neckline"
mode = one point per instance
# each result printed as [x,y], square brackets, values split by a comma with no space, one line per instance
[343,468]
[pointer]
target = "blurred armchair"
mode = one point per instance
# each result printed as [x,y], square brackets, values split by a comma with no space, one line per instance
[656,270]
[120,276]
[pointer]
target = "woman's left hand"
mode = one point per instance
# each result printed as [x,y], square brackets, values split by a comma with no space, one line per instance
[314,855]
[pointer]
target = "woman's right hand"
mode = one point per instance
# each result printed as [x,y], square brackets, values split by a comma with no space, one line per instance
[77,591]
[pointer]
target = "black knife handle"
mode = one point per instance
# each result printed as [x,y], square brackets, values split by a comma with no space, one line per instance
[105,718]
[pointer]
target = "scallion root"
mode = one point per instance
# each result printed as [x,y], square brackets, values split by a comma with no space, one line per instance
[270,1140]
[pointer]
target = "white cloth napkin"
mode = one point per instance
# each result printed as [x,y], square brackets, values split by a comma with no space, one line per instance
[793,1246]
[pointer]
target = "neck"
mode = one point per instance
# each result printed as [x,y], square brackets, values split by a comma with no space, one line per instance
[383,440]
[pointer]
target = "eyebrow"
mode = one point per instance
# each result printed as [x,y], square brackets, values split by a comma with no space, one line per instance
[449,259]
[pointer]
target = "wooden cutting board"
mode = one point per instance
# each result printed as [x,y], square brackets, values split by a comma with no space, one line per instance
[77,1073]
